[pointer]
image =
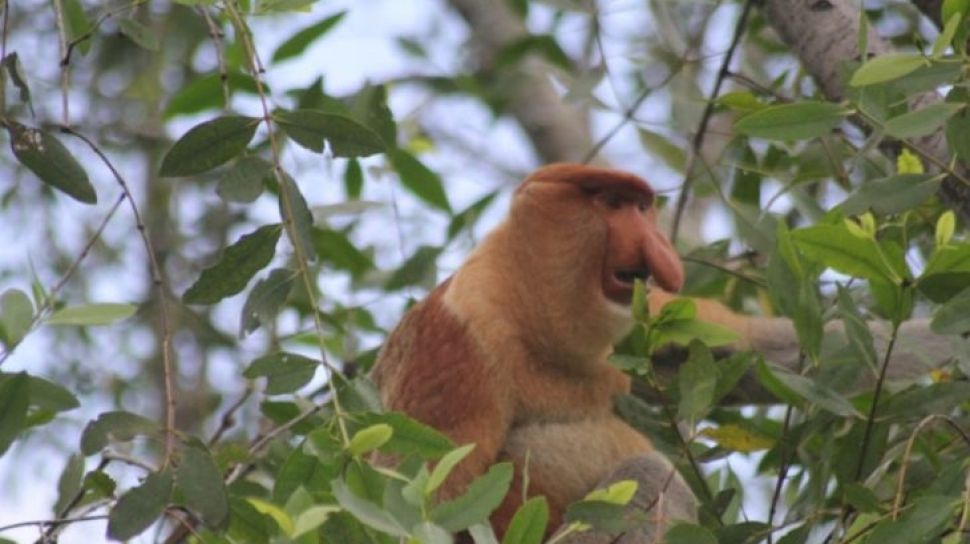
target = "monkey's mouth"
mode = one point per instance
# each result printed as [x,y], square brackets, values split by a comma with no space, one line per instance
[619,284]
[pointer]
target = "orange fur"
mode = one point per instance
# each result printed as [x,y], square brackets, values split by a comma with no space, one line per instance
[510,353]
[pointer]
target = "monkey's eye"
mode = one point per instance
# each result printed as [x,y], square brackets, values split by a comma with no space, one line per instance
[613,201]
[643,206]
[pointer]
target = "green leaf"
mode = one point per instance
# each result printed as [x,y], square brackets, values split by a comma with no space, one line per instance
[789,122]
[203,490]
[672,154]
[46,395]
[141,506]
[542,45]
[312,518]
[347,137]
[444,467]
[265,300]
[945,226]
[295,210]
[208,145]
[834,247]
[861,498]
[484,495]
[77,24]
[816,393]
[207,92]
[92,314]
[417,268]
[528,526]
[946,37]
[16,316]
[886,68]
[370,438]
[238,264]
[285,372]
[114,426]
[14,400]
[366,511]
[891,195]
[49,160]
[954,316]
[369,106]
[353,179]
[696,380]
[298,43]
[922,522]
[856,330]
[686,533]
[957,128]
[69,482]
[467,218]
[410,436]
[600,515]
[15,71]
[282,519]
[335,248]
[418,179]
[244,181]
[947,272]
[951,7]
[921,122]
[138,33]
[737,438]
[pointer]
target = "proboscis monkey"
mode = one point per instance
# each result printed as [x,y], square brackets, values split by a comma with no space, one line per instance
[510,352]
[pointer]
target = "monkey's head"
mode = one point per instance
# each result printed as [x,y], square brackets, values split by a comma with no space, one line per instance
[583,235]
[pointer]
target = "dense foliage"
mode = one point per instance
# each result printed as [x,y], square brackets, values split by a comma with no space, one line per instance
[205,252]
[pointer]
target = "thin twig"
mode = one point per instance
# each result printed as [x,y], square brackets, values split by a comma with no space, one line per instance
[168,370]
[870,420]
[65,66]
[229,416]
[908,452]
[785,456]
[698,140]
[217,39]
[46,522]
[54,526]
[47,306]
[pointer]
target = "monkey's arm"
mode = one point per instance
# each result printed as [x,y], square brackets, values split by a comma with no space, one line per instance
[917,349]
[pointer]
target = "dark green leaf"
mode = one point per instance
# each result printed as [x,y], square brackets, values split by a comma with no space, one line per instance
[483,496]
[886,68]
[416,269]
[922,522]
[836,248]
[528,526]
[696,380]
[69,482]
[410,436]
[200,481]
[238,264]
[816,393]
[118,426]
[293,208]
[141,506]
[16,316]
[244,181]
[266,299]
[601,515]
[14,399]
[685,533]
[369,106]
[285,372]
[788,122]
[892,195]
[861,498]
[366,511]
[947,273]
[347,137]
[954,316]
[49,160]
[335,248]
[353,179]
[921,122]
[302,39]
[46,395]
[673,154]
[16,73]
[856,330]
[541,45]
[138,33]
[467,218]
[208,145]
[418,179]
[207,92]
[923,400]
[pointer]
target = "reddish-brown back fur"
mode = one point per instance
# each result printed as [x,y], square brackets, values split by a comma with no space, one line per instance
[510,353]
